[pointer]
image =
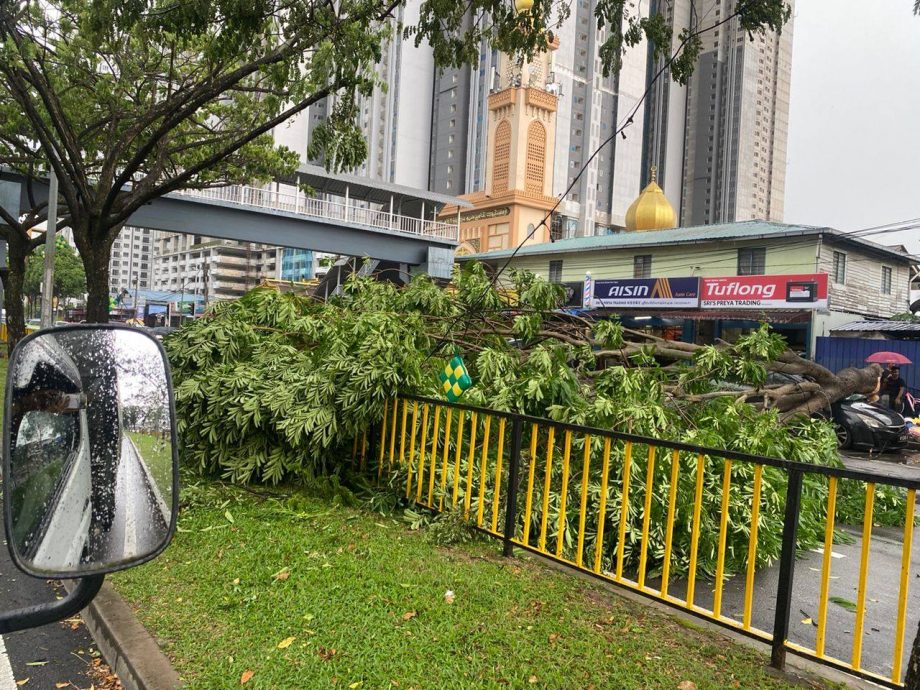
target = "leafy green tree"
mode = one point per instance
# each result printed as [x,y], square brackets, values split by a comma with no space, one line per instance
[127,100]
[69,277]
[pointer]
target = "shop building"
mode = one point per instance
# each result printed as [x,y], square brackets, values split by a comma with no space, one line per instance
[720,281]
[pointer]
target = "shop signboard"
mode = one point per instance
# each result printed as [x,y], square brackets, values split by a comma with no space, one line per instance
[800,291]
[681,293]
[185,308]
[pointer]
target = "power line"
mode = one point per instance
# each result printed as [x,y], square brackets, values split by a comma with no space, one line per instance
[620,131]
[910,224]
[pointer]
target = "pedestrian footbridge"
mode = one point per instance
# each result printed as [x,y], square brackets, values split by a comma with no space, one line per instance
[312,209]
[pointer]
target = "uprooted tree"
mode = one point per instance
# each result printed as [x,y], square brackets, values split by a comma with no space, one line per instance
[275,387]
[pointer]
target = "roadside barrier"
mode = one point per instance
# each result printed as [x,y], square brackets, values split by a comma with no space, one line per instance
[676,522]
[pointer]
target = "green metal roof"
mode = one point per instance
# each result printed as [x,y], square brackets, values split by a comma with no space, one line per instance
[744,230]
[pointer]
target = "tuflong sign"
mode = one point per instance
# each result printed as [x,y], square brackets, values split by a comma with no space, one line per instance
[801,291]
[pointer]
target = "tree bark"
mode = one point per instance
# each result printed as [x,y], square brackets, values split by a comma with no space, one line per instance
[912,679]
[97,286]
[12,292]
[842,385]
[94,242]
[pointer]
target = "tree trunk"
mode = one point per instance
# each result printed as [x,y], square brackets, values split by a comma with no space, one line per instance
[94,242]
[12,293]
[844,384]
[97,286]
[912,679]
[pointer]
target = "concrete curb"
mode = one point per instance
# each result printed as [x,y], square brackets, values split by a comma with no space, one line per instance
[125,644]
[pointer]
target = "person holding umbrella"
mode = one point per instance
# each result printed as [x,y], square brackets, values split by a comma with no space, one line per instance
[893,385]
[894,388]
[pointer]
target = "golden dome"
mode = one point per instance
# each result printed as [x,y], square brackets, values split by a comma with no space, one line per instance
[651,210]
[523,5]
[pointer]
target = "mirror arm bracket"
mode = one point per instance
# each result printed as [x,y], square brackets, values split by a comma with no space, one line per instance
[40,614]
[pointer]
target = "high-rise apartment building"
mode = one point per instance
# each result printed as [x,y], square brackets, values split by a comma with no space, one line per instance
[719,143]
[130,265]
[589,108]
[396,119]
[215,269]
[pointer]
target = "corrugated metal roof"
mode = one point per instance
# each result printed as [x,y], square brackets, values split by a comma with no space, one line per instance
[883,326]
[744,230]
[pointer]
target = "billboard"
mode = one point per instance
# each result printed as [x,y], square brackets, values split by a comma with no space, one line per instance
[802,291]
[647,292]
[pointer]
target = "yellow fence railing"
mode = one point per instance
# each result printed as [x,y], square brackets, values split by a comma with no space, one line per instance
[679,523]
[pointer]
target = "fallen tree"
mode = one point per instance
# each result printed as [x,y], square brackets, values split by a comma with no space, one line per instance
[814,393]
[329,366]
[275,387]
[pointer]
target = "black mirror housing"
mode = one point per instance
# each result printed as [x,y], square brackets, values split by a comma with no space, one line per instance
[90,452]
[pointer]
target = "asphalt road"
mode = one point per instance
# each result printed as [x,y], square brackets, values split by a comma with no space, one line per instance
[45,656]
[141,518]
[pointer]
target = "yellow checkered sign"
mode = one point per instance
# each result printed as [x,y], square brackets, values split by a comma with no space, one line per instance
[454,379]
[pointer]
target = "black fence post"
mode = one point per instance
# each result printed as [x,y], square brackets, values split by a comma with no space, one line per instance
[514,476]
[786,568]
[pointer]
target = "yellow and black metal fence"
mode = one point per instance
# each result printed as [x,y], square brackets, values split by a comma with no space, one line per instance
[683,524]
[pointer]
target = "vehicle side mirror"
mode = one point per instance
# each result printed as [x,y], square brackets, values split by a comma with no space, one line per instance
[89,451]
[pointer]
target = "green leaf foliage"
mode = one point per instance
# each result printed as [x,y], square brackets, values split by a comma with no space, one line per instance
[69,278]
[277,387]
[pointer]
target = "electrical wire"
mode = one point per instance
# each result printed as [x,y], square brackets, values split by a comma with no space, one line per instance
[897,226]
[620,131]
[714,258]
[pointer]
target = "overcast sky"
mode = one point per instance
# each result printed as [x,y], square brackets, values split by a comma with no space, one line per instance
[854,121]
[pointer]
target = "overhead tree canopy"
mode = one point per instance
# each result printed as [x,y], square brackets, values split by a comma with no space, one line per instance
[127,100]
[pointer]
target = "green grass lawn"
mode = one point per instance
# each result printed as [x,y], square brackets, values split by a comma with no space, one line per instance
[158,456]
[299,593]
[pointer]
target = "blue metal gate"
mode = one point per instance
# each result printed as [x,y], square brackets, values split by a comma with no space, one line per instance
[838,353]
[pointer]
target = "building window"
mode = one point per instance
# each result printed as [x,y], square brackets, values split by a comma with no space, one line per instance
[555,271]
[642,266]
[536,157]
[886,280]
[752,261]
[502,155]
[840,268]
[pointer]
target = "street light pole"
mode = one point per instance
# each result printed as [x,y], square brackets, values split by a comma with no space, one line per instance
[51,227]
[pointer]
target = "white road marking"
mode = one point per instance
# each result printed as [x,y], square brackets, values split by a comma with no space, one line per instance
[7,679]
[129,469]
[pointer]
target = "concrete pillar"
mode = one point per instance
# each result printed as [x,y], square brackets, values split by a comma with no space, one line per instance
[9,200]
